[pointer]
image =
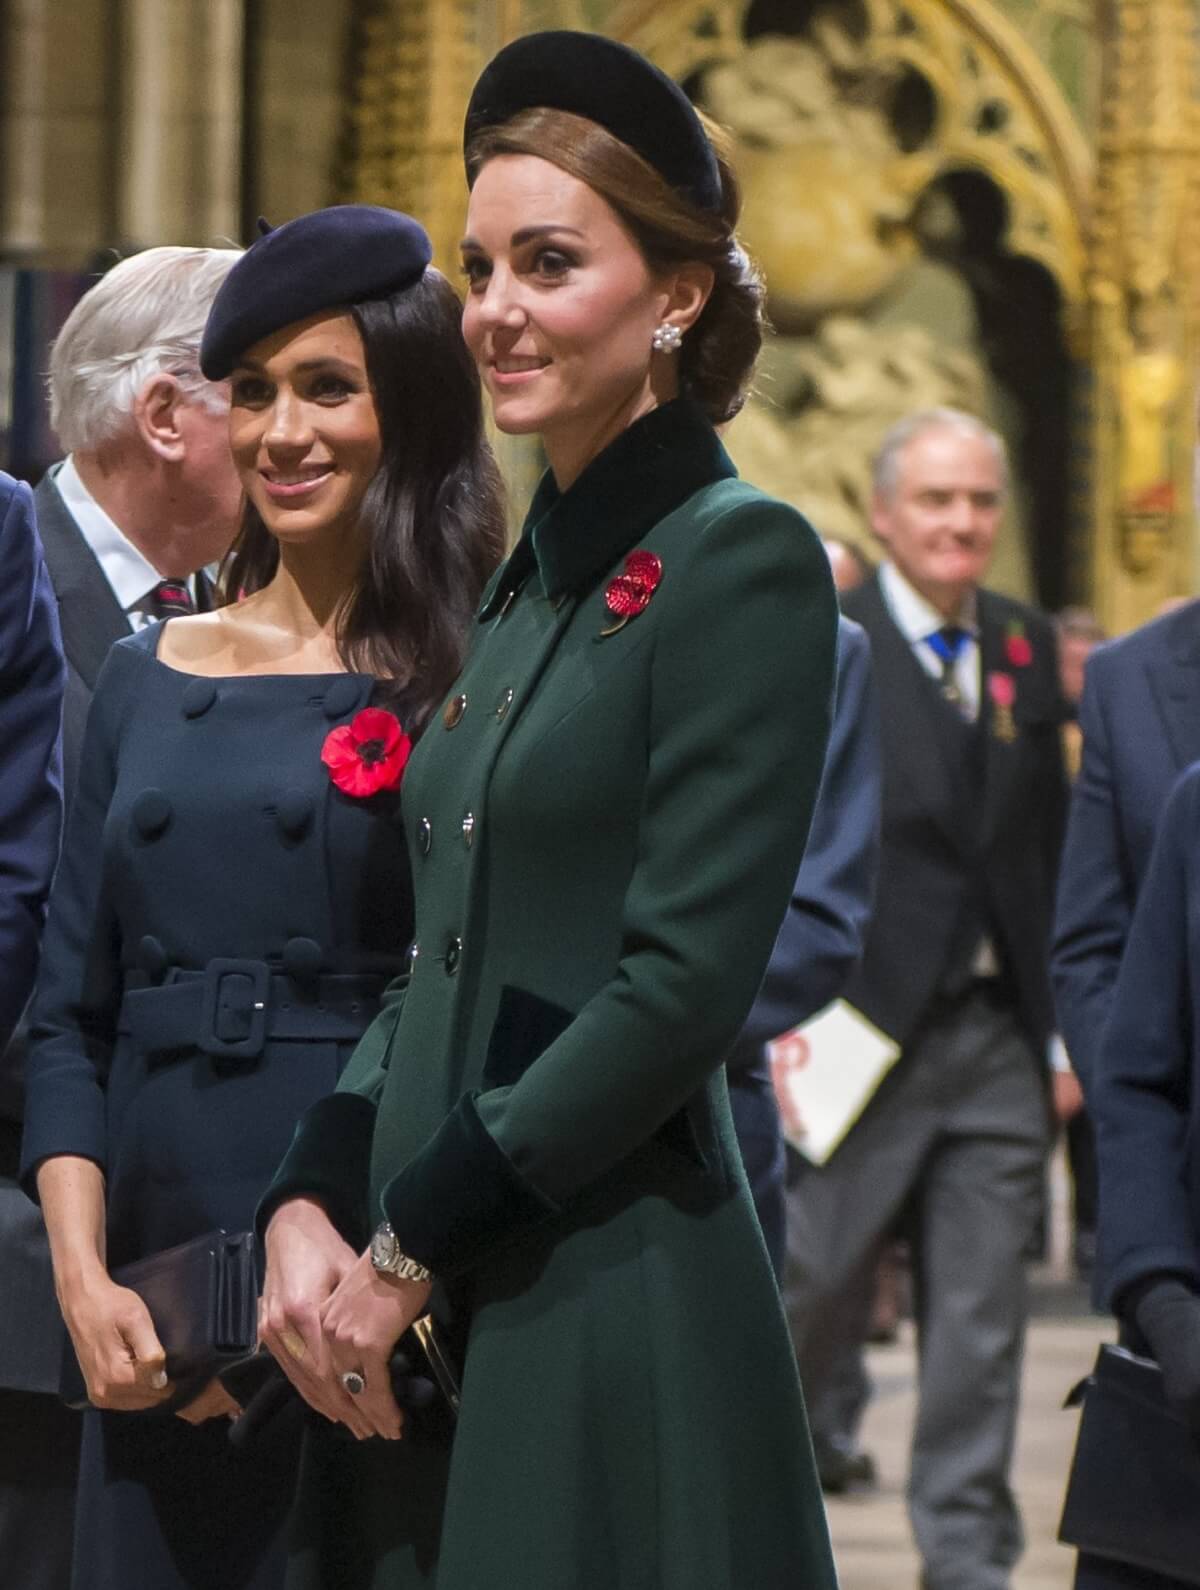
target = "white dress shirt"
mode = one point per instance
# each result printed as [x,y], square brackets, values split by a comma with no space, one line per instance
[917,620]
[129,572]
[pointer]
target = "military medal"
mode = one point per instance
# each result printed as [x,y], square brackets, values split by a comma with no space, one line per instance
[1002,691]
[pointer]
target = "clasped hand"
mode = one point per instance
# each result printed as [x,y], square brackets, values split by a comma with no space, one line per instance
[326,1311]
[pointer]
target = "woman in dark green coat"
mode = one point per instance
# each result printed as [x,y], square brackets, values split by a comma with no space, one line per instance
[605,827]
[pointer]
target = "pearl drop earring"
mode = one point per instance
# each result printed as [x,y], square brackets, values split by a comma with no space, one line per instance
[666,338]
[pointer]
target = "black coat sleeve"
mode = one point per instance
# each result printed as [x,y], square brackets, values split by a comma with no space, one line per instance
[74,1020]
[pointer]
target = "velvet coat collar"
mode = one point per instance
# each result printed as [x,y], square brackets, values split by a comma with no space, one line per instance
[572,537]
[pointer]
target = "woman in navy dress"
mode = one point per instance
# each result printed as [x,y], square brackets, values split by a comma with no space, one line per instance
[234,892]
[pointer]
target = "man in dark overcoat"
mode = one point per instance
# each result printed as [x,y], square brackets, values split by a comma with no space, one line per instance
[31,691]
[955,970]
[1140,720]
[145,498]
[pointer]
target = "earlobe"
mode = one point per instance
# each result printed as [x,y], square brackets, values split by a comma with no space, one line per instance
[156,414]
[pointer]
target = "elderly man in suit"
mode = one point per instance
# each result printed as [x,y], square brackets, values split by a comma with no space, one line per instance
[955,970]
[146,497]
[32,1494]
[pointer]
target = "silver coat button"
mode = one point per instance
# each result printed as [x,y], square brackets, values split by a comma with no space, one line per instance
[425,835]
[502,706]
[453,956]
[453,710]
[468,827]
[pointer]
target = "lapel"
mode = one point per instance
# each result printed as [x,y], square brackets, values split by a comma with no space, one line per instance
[90,615]
[1175,684]
[1002,757]
[912,737]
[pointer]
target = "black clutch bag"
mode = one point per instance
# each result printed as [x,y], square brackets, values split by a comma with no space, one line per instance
[1133,1495]
[203,1299]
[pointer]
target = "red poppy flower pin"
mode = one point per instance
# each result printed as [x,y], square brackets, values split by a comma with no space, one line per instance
[368,754]
[1017,650]
[627,594]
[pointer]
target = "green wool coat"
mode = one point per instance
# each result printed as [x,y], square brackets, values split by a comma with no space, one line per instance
[605,823]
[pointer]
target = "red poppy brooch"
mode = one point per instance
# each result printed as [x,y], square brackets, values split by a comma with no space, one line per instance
[627,594]
[368,754]
[1017,649]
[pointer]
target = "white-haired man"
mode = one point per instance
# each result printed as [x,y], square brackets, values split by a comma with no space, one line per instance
[147,494]
[955,969]
[146,497]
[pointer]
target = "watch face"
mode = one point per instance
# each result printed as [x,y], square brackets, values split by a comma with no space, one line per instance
[383,1247]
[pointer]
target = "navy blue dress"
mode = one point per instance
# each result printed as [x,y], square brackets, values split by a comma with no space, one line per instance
[221,928]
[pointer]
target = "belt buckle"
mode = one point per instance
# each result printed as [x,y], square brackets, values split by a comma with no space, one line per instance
[233,1015]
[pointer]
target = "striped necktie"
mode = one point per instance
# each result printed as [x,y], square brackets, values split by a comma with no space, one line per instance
[168,599]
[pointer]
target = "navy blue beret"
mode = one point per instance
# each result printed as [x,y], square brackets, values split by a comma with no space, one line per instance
[607,83]
[326,260]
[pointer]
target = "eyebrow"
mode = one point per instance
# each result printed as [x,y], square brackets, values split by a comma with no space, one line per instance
[304,368]
[526,234]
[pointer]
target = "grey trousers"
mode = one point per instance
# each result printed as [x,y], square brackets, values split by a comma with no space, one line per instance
[957,1136]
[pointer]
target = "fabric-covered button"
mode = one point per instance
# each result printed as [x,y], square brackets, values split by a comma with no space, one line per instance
[293,813]
[151,813]
[453,956]
[197,698]
[152,956]
[425,835]
[502,706]
[468,827]
[302,959]
[453,711]
[341,697]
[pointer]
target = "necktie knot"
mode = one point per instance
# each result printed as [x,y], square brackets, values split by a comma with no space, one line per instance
[947,642]
[169,599]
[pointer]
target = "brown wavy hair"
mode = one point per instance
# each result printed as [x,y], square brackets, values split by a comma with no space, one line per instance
[719,352]
[433,516]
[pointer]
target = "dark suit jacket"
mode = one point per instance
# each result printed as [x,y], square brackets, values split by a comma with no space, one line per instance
[31,688]
[941,849]
[31,693]
[1141,726]
[1145,1082]
[90,615]
[822,935]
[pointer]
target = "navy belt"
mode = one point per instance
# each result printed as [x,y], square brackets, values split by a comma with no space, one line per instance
[231,1008]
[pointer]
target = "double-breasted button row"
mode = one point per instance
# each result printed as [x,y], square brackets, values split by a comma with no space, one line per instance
[455,708]
[425,832]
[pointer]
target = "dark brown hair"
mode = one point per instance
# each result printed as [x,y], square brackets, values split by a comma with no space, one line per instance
[432,518]
[718,353]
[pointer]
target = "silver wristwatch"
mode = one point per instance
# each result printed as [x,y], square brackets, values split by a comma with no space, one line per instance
[388,1259]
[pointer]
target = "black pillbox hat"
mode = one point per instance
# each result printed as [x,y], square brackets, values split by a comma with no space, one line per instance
[610,84]
[326,260]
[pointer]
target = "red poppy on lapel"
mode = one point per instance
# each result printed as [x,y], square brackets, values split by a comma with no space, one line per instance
[1017,649]
[627,594]
[368,754]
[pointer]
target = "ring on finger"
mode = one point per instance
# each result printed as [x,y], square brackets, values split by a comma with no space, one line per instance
[355,1382]
[293,1342]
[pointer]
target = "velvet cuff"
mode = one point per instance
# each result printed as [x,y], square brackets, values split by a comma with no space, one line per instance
[460,1196]
[329,1160]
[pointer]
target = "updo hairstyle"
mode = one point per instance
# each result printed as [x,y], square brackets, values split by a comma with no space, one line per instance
[718,354]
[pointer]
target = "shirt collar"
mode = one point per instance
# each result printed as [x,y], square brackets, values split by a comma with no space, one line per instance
[916,618]
[127,570]
[571,537]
